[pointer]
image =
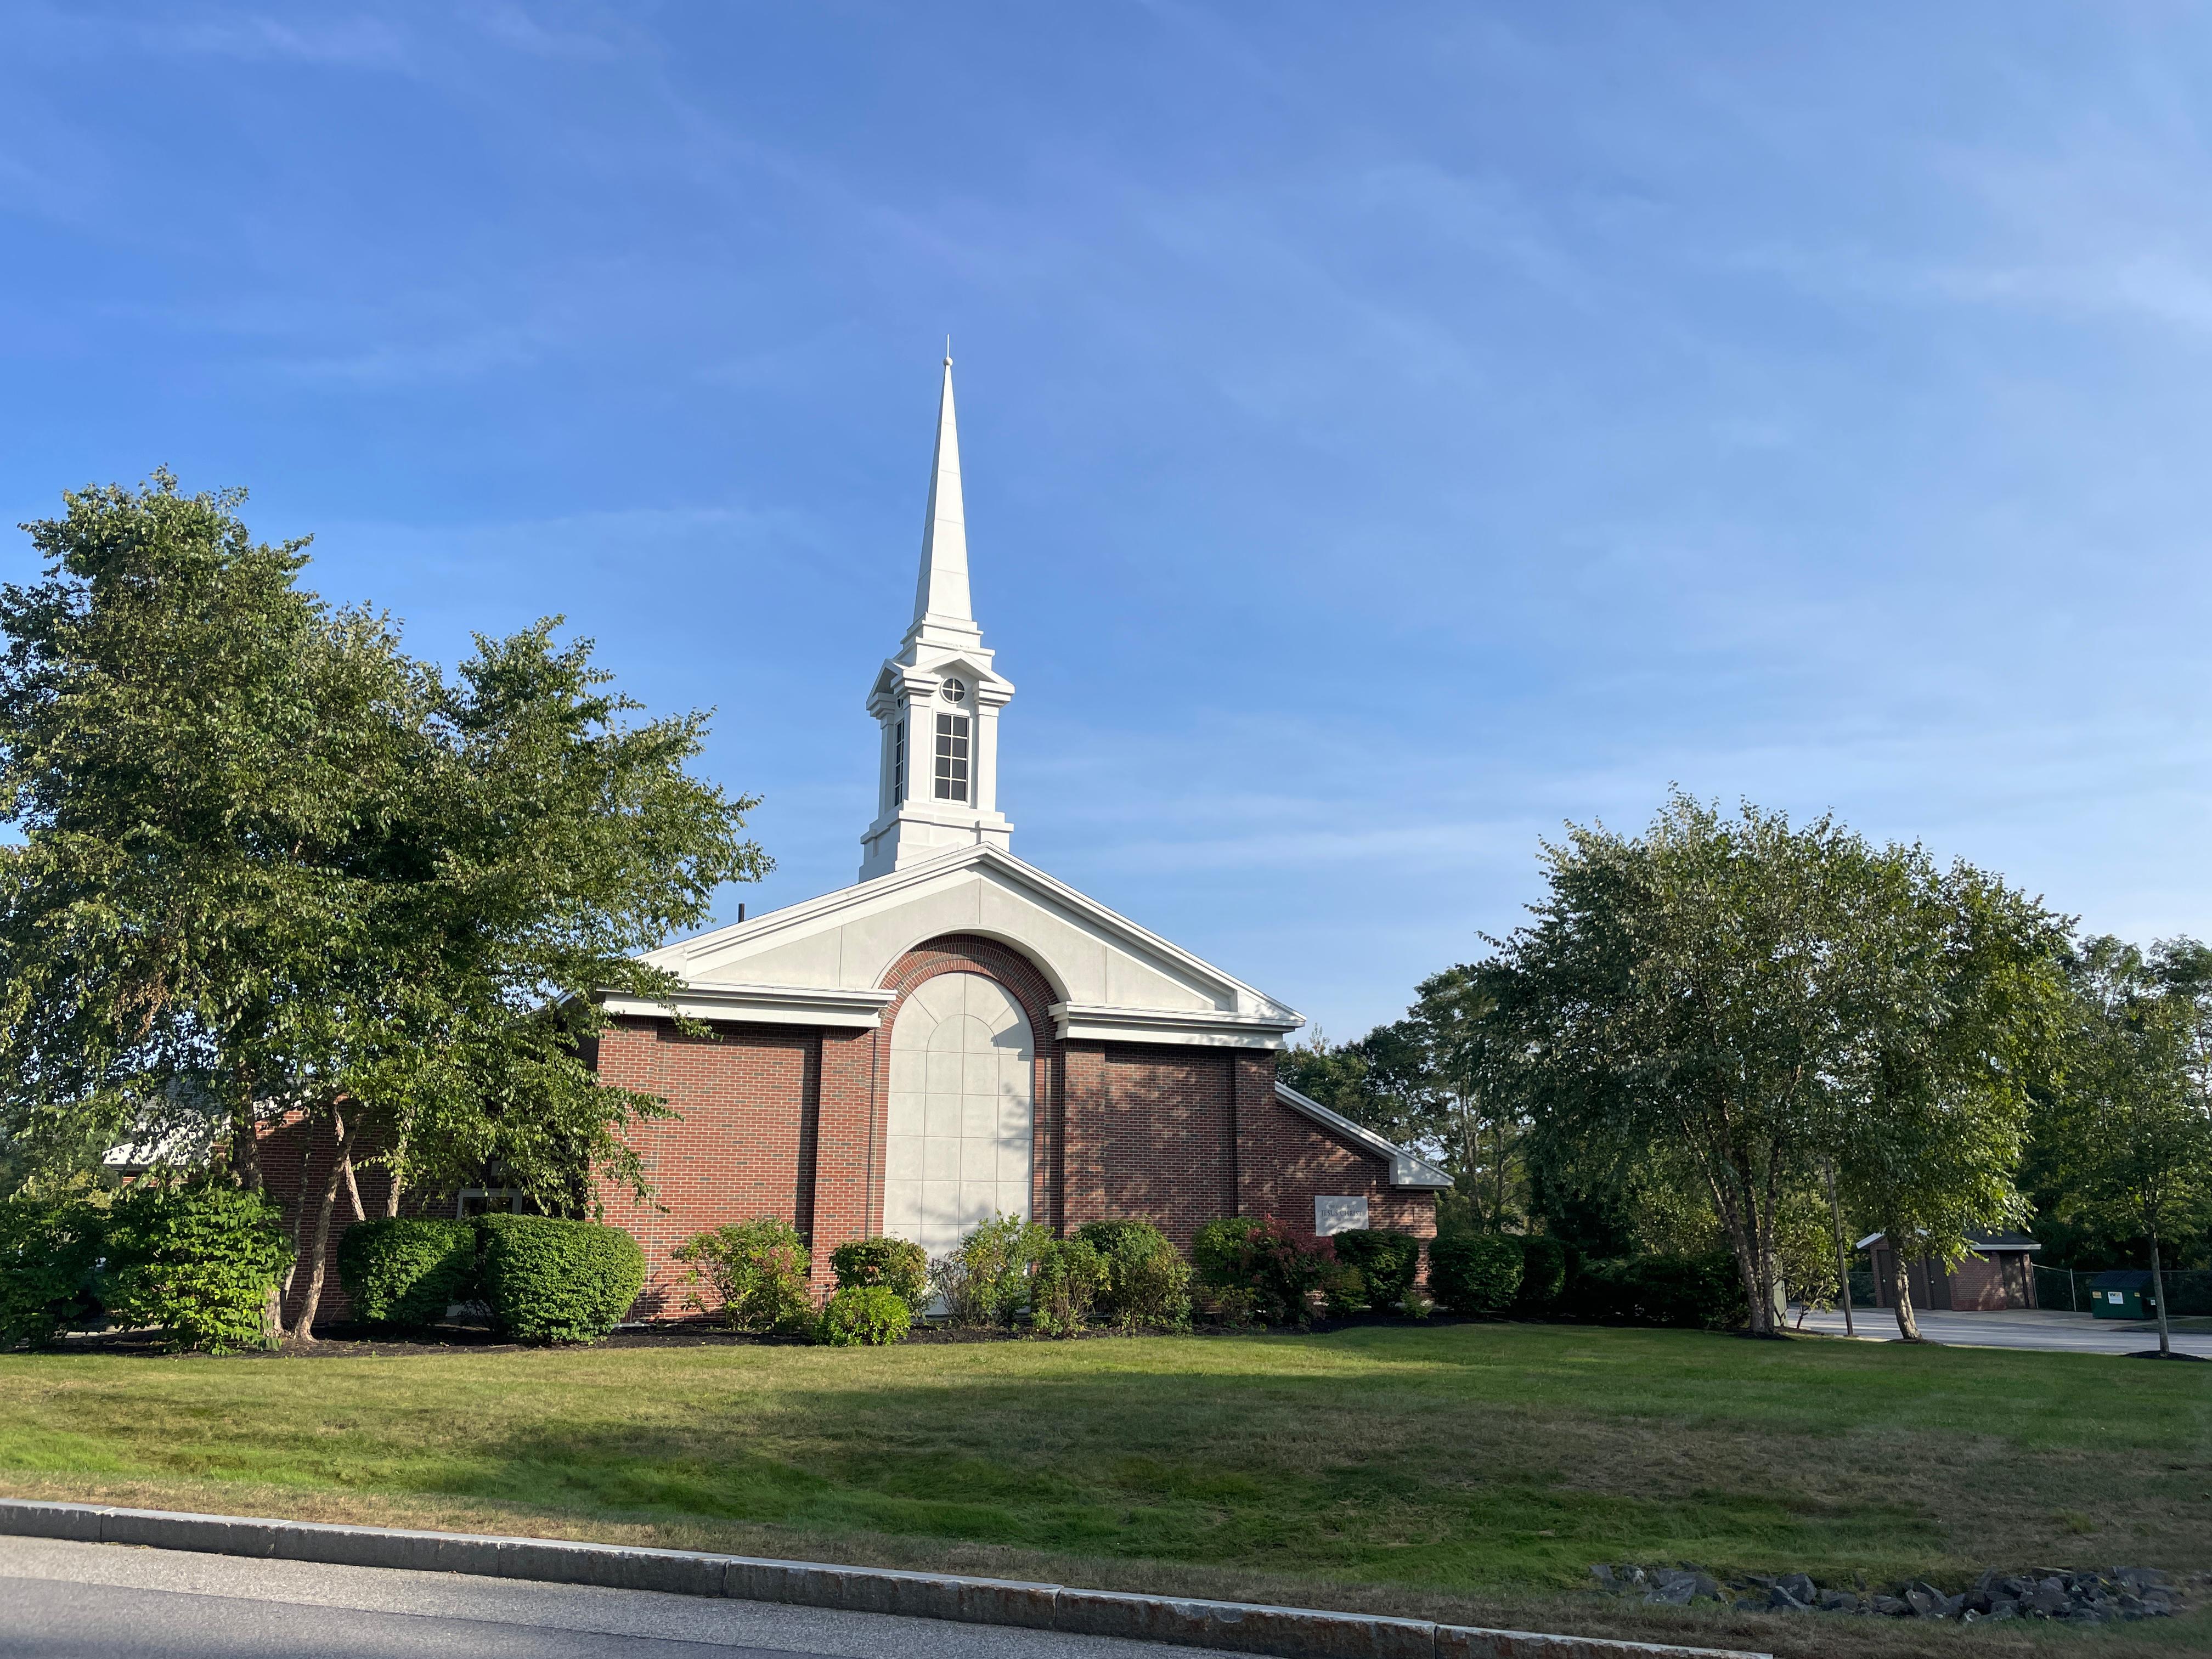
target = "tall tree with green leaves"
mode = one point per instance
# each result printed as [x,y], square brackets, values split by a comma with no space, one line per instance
[1955,1000]
[272,867]
[1678,989]
[1746,998]
[2132,1117]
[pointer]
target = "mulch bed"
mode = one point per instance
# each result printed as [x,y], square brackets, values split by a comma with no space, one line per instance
[355,1342]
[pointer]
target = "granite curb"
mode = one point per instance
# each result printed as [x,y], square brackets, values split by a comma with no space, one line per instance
[1243,1626]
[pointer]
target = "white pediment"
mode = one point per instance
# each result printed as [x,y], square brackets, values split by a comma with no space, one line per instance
[824,962]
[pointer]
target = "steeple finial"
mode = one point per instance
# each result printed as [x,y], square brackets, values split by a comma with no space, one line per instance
[941,592]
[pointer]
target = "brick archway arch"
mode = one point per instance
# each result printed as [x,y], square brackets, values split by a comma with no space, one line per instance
[973,953]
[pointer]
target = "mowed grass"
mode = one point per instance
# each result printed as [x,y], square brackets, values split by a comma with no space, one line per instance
[1455,1470]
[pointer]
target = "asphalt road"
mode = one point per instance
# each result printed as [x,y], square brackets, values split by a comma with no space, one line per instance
[2069,1333]
[65,1601]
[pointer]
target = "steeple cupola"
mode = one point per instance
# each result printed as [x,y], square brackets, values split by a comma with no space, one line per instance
[937,702]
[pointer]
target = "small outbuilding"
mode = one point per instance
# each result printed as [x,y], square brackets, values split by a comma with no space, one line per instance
[2124,1293]
[1999,1273]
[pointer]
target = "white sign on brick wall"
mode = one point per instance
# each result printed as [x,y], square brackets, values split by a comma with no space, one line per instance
[1338,1215]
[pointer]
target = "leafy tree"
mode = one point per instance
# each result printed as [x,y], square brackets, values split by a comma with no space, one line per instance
[1955,998]
[1722,999]
[273,868]
[2133,1118]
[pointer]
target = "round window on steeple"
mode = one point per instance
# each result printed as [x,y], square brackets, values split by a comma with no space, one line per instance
[955,691]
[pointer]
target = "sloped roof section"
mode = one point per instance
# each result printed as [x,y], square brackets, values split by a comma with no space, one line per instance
[824,962]
[1406,1168]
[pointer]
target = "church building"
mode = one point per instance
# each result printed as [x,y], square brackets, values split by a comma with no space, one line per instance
[958,1034]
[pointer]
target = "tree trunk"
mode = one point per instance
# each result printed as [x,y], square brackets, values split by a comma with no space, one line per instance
[303,1328]
[353,1192]
[245,1149]
[1759,1238]
[2158,1290]
[395,1168]
[1743,1244]
[1843,1256]
[1900,1293]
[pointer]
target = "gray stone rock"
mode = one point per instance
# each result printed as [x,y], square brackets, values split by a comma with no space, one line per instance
[2049,1598]
[1889,1606]
[1927,1601]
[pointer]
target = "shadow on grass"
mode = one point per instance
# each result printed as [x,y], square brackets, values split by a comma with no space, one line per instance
[1135,1467]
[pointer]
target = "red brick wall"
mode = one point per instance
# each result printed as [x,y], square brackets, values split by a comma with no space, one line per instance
[1167,1136]
[1285,1160]
[746,1144]
[790,1121]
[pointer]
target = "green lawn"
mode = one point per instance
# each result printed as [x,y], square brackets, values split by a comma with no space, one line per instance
[1474,1471]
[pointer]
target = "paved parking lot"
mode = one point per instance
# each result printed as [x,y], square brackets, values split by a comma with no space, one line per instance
[66,1601]
[2072,1332]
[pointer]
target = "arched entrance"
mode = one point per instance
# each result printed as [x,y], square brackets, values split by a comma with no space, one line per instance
[962,1110]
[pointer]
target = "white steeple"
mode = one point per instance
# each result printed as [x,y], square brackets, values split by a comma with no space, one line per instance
[937,700]
[940,593]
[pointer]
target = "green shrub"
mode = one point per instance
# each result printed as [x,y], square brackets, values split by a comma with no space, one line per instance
[406,1271]
[199,1261]
[1695,1292]
[1064,1285]
[985,1282]
[49,1255]
[1248,1268]
[758,1273]
[1543,1273]
[896,1264]
[1692,1292]
[1147,1282]
[870,1315]
[549,1280]
[1475,1272]
[1384,1264]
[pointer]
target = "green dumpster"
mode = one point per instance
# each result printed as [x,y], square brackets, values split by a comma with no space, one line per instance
[2124,1293]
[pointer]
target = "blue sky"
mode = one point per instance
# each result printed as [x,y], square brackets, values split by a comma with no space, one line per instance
[1390,431]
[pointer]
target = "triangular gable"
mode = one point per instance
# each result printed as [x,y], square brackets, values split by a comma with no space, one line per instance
[827,958]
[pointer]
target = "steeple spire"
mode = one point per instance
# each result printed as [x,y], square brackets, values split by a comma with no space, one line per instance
[936,703]
[940,593]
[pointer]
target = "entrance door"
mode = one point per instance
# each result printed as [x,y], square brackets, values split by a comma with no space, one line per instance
[961,1112]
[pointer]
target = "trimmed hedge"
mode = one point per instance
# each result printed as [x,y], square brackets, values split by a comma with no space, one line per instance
[403,1271]
[758,1270]
[1475,1272]
[1383,1264]
[1692,1292]
[549,1280]
[896,1264]
[199,1261]
[1147,1282]
[865,1315]
[1543,1273]
[49,1261]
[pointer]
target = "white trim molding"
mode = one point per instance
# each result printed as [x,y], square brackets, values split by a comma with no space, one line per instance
[762,1005]
[1092,1022]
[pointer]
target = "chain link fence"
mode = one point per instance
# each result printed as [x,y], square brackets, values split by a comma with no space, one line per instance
[2067,1289]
